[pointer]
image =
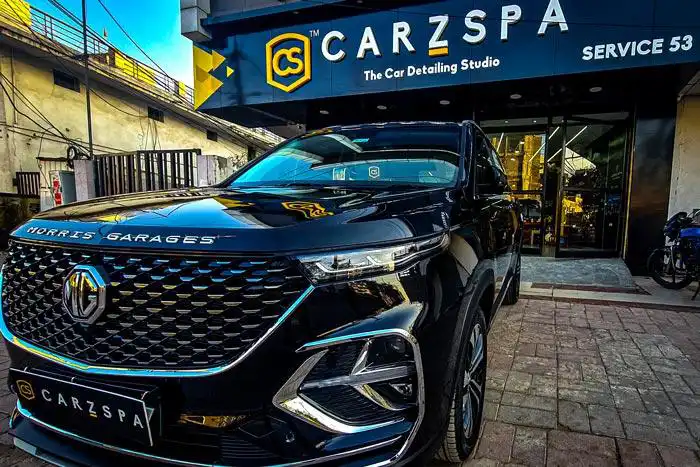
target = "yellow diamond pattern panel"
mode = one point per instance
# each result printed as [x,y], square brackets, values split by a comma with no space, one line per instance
[217,59]
[205,85]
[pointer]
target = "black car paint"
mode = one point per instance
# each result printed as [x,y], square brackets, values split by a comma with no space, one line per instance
[430,300]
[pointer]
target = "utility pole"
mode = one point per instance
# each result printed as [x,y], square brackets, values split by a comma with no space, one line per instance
[87,79]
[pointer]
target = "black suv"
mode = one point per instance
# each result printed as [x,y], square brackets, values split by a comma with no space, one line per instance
[329,303]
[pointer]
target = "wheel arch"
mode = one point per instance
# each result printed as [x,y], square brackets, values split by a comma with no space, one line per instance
[477,293]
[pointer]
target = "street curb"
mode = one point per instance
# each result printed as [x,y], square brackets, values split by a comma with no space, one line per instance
[593,301]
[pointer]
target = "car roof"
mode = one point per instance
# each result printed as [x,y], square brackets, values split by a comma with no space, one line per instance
[394,125]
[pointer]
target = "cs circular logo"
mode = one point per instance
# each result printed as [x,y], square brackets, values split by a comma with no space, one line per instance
[25,389]
[288,61]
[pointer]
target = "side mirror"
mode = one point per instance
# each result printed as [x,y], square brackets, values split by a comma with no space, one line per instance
[502,181]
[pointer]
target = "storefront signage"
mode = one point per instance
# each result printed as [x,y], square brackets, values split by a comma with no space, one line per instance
[443,43]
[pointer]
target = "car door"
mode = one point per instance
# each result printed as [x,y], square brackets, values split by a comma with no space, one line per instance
[510,213]
[493,213]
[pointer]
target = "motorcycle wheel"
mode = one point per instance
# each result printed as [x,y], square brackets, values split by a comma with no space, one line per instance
[663,270]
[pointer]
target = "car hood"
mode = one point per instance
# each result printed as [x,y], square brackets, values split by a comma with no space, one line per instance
[263,220]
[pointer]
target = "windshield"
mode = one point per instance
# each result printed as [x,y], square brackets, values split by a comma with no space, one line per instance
[381,156]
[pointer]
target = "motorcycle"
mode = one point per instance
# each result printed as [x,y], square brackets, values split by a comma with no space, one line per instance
[677,264]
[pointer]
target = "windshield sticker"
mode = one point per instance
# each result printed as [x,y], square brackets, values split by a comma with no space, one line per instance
[361,140]
[374,172]
[339,173]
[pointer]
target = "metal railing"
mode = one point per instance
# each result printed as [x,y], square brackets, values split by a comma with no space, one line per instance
[146,171]
[28,183]
[60,32]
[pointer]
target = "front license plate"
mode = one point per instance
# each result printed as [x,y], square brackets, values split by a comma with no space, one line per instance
[96,413]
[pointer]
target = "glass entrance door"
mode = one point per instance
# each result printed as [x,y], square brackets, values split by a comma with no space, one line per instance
[522,153]
[593,168]
[569,175]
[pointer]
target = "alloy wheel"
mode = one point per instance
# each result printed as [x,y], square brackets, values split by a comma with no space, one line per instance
[473,383]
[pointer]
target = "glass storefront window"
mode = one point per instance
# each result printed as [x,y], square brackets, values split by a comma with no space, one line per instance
[595,156]
[551,191]
[522,156]
[593,181]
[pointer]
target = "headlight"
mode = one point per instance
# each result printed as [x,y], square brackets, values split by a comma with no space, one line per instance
[348,265]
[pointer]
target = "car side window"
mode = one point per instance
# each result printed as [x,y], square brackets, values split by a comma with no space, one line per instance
[487,173]
[502,178]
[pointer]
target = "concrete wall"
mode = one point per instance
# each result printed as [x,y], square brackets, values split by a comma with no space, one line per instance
[685,176]
[120,120]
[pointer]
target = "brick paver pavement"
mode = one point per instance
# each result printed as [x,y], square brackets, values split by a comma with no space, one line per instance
[590,385]
[571,385]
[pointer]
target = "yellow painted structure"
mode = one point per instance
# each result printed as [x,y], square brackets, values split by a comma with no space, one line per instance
[16,13]
[134,69]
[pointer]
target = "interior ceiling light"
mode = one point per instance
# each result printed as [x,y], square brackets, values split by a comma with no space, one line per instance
[444,102]
[595,89]
[323,112]
[515,97]
[382,107]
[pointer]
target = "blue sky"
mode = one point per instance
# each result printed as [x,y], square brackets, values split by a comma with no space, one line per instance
[154,25]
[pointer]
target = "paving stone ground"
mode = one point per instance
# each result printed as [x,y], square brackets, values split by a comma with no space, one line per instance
[570,385]
[602,272]
[588,385]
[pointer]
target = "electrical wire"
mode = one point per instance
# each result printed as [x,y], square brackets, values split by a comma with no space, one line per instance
[14,106]
[31,132]
[228,130]
[231,131]
[131,39]
[27,102]
[241,139]
[117,108]
[69,140]
[60,61]
[77,20]
[41,171]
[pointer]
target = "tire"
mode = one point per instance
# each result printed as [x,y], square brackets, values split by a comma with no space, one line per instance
[655,265]
[460,438]
[513,293]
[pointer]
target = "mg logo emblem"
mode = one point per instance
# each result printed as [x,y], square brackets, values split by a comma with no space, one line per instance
[288,61]
[85,293]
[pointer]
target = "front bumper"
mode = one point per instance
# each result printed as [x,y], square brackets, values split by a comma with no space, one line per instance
[62,448]
[299,431]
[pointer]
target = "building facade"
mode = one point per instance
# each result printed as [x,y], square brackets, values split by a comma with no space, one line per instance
[592,106]
[134,107]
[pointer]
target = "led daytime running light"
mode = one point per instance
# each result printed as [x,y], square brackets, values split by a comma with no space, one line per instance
[359,263]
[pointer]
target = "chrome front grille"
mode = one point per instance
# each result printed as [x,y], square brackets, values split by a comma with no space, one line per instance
[164,311]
